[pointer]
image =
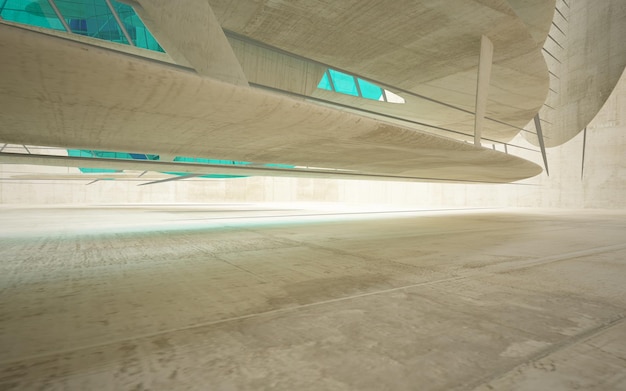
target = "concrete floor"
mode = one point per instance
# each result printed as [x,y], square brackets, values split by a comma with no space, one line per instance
[242,297]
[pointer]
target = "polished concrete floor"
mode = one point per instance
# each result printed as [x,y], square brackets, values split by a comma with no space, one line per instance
[248,297]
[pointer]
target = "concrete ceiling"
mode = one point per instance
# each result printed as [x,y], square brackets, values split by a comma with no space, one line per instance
[428,47]
[61,93]
[426,51]
[587,58]
[195,169]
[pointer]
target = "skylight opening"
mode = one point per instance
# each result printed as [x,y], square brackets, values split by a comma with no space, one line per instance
[99,19]
[393,98]
[347,84]
[181,159]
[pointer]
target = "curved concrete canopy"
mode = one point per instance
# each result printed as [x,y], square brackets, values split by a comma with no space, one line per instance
[193,37]
[189,168]
[113,101]
[537,15]
[590,64]
[428,47]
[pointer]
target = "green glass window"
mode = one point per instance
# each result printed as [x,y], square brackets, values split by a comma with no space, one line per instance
[369,90]
[207,161]
[138,32]
[91,18]
[141,156]
[325,83]
[344,83]
[34,13]
[83,153]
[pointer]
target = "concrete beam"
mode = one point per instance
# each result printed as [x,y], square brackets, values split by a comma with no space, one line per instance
[192,36]
[117,102]
[196,169]
[541,143]
[582,80]
[424,47]
[482,86]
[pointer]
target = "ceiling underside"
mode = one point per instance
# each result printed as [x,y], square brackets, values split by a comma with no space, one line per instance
[130,169]
[62,93]
[429,48]
[588,57]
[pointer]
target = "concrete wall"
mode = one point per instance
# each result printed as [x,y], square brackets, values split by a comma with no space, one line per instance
[603,184]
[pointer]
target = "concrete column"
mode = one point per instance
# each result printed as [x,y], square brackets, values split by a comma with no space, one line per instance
[482,86]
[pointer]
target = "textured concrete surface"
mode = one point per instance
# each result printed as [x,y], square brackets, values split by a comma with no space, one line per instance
[242,297]
[116,102]
[426,47]
[586,56]
[190,34]
[601,185]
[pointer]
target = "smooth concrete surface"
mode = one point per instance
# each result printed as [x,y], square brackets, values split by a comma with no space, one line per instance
[190,34]
[272,68]
[133,50]
[115,102]
[601,185]
[198,169]
[427,47]
[266,297]
[586,57]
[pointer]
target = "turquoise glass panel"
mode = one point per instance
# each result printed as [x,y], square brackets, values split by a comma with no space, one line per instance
[111,155]
[207,161]
[108,155]
[205,176]
[78,153]
[34,13]
[96,170]
[369,90]
[276,165]
[141,156]
[136,29]
[83,153]
[186,159]
[92,18]
[324,84]
[343,83]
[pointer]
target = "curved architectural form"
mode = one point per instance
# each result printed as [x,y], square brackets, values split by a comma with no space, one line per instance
[346,84]
[586,56]
[429,49]
[301,85]
[128,104]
